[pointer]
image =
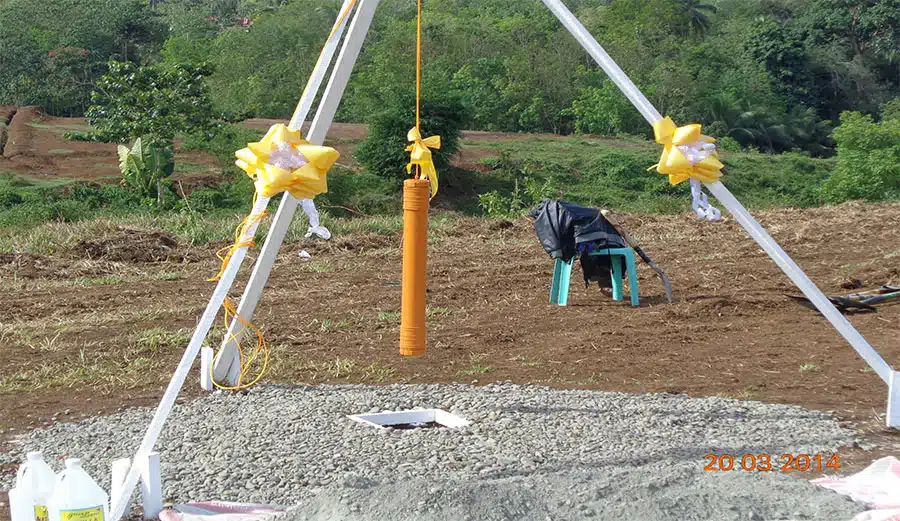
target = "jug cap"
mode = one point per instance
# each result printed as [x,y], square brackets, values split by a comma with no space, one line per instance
[34,456]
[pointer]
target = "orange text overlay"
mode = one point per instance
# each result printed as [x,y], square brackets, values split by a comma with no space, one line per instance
[766,462]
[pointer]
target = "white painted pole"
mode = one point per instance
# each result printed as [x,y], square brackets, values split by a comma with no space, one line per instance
[151,486]
[318,73]
[119,472]
[120,502]
[799,278]
[743,217]
[609,66]
[893,408]
[225,369]
[206,360]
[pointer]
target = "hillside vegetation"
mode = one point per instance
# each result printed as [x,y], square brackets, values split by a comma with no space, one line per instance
[770,79]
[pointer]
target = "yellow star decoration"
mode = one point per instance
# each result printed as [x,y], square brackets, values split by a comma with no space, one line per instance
[675,163]
[284,161]
[420,154]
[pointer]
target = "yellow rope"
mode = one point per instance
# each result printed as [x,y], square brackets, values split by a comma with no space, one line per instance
[418,75]
[246,360]
[239,240]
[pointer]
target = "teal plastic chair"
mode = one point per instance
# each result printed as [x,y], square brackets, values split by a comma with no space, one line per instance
[562,275]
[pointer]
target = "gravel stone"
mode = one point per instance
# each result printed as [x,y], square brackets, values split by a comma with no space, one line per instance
[530,453]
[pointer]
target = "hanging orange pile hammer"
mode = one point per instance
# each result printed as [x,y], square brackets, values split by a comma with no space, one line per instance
[417,194]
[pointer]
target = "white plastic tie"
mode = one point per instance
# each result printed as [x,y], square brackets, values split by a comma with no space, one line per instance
[700,203]
[309,207]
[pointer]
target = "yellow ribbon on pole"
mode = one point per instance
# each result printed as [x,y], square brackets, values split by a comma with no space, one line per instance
[687,153]
[284,161]
[420,155]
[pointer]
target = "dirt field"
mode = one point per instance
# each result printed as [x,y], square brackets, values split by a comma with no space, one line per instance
[101,325]
[35,147]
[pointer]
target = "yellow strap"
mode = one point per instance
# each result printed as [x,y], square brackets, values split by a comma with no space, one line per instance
[334,30]
[239,242]
[246,360]
[418,64]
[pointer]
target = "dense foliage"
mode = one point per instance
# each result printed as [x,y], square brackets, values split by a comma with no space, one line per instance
[868,159]
[384,150]
[772,75]
[156,102]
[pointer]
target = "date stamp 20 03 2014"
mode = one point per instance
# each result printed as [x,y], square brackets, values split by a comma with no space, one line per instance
[769,462]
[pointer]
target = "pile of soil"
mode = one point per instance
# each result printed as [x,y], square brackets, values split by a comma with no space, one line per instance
[130,245]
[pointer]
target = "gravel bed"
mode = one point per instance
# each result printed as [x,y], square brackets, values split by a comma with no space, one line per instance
[530,453]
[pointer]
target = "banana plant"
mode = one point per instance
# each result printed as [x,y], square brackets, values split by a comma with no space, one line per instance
[145,166]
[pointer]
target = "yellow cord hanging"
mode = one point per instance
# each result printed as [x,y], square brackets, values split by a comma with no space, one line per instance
[247,360]
[302,182]
[239,242]
[420,149]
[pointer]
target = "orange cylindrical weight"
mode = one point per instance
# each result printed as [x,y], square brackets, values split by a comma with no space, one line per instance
[416,195]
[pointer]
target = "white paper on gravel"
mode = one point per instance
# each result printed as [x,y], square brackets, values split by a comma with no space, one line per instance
[877,486]
[220,511]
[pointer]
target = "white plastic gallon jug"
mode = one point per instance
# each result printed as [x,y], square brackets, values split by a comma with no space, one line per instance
[77,497]
[34,486]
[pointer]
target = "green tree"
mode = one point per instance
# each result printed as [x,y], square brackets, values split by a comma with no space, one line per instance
[868,160]
[154,101]
[782,52]
[697,15]
[53,51]
[384,150]
[151,104]
[145,167]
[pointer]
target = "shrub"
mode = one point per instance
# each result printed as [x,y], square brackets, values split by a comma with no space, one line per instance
[891,110]
[384,151]
[605,110]
[868,160]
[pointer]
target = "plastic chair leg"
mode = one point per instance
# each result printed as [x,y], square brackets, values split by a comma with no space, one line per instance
[565,277]
[616,262]
[632,280]
[554,284]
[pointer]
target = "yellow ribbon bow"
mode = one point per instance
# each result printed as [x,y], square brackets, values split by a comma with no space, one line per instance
[284,161]
[420,154]
[703,163]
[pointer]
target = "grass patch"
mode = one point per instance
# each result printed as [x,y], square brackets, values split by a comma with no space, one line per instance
[389,316]
[104,372]
[377,373]
[432,312]
[333,325]
[100,281]
[160,338]
[807,367]
[476,366]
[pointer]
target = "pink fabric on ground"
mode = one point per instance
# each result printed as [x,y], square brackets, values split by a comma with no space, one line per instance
[219,511]
[878,486]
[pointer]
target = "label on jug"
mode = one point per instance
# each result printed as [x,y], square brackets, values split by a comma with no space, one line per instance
[40,513]
[84,514]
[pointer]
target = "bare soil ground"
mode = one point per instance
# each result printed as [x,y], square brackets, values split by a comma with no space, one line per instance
[36,148]
[101,325]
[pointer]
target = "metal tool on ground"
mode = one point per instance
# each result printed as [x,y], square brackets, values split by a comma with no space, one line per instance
[637,249]
[863,301]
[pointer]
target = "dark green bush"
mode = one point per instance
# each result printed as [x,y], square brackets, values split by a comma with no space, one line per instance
[868,160]
[384,151]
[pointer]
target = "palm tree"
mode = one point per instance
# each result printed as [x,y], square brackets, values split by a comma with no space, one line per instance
[699,21]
